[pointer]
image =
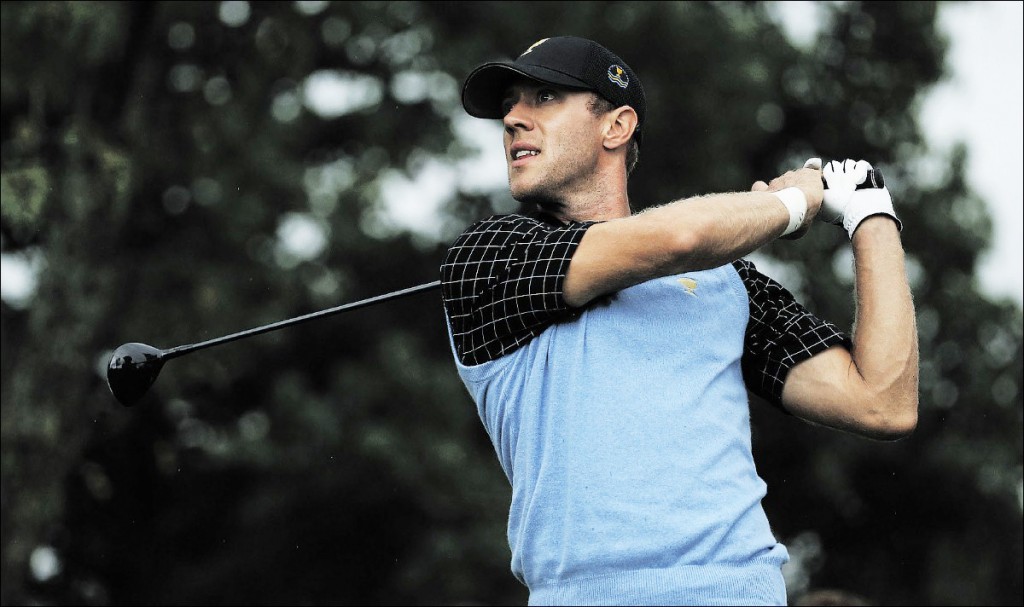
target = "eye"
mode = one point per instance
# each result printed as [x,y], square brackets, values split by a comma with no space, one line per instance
[545,95]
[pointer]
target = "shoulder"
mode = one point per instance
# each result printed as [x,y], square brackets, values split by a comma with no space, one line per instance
[501,227]
[486,239]
[500,236]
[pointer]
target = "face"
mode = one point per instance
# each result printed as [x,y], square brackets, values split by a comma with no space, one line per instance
[552,142]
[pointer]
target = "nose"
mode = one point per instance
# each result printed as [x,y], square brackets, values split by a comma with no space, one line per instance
[518,117]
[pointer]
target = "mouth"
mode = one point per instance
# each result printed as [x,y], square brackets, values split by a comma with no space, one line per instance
[520,154]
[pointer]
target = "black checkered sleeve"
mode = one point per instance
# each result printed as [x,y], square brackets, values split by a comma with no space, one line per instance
[780,334]
[502,283]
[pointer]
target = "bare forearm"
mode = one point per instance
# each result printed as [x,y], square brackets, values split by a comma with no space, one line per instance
[713,230]
[885,348]
[683,236]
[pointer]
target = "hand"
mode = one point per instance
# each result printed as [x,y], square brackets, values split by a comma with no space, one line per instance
[808,181]
[841,180]
[854,191]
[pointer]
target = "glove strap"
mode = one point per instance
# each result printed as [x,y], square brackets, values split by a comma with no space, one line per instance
[869,202]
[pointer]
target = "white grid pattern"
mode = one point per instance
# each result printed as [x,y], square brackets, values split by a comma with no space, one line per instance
[502,283]
[780,334]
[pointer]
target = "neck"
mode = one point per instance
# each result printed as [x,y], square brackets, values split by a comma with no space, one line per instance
[604,198]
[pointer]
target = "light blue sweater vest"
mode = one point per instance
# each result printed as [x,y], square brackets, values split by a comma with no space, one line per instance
[626,436]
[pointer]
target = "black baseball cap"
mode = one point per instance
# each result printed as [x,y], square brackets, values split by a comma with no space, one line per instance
[567,61]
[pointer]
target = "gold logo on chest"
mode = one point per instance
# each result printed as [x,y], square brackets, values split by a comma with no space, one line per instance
[689,286]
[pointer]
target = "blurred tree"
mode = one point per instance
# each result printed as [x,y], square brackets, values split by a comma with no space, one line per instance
[181,171]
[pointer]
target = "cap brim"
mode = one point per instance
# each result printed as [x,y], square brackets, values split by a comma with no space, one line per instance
[486,85]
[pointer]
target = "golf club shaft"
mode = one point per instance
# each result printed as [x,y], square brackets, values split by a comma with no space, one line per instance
[182,350]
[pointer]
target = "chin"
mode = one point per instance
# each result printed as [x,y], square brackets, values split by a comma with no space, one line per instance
[519,190]
[533,193]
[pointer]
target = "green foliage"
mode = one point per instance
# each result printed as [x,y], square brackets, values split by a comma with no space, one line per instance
[153,154]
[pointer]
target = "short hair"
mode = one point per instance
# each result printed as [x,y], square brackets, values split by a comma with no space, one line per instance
[598,105]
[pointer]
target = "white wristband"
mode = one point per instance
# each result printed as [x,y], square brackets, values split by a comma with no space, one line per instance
[796,203]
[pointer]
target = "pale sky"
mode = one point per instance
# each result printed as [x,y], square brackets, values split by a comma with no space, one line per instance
[983,104]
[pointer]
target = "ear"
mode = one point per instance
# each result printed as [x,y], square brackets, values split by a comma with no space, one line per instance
[620,124]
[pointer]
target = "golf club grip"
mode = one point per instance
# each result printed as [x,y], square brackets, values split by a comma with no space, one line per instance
[181,350]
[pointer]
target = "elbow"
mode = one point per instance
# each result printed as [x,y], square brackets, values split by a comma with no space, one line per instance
[891,419]
[897,427]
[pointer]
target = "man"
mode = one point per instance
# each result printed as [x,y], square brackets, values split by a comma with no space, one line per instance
[610,354]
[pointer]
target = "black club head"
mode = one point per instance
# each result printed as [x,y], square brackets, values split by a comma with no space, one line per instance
[132,370]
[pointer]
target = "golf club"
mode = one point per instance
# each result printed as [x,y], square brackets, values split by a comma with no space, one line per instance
[133,367]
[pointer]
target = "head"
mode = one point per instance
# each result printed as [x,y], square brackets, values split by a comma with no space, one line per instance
[572,105]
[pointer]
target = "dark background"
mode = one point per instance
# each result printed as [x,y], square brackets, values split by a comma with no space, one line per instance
[156,154]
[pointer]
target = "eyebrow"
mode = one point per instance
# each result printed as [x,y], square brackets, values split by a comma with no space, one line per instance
[522,84]
[528,85]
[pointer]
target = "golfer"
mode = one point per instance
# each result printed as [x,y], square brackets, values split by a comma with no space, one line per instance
[610,354]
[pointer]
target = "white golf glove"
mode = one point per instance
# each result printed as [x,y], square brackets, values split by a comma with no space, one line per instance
[853,192]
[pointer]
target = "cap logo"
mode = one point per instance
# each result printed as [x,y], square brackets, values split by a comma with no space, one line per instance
[617,75]
[534,45]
